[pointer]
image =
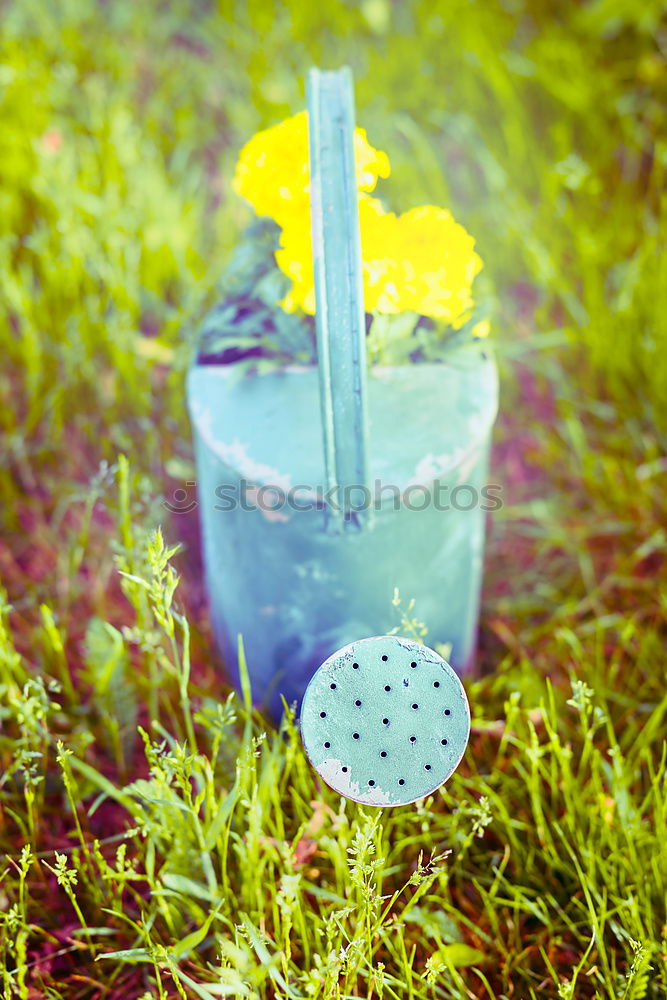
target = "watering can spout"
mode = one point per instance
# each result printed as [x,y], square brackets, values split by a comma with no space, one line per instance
[340,317]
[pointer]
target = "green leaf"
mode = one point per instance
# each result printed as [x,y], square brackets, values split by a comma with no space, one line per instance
[184,947]
[434,924]
[208,990]
[459,956]
[127,955]
[218,822]
[186,886]
[268,961]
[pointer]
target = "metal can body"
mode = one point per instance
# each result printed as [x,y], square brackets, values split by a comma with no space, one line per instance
[275,574]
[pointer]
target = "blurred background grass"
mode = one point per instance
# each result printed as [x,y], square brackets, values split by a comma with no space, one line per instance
[541,125]
[537,123]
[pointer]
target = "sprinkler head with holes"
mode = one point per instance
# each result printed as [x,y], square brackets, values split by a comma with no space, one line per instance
[385,721]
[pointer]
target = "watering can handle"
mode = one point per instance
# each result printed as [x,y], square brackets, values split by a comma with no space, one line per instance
[341,323]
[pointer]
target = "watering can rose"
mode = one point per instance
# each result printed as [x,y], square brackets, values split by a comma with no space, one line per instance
[420,261]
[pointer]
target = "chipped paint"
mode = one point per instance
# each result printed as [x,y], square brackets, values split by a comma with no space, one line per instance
[461,461]
[430,467]
[423,650]
[252,495]
[235,454]
[331,770]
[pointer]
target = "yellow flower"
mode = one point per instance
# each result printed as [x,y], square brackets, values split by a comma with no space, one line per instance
[370,162]
[481,329]
[378,264]
[422,261]
[272,172]
[295,259]
[436,265]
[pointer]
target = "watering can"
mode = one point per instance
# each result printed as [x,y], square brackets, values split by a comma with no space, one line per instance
[325,489]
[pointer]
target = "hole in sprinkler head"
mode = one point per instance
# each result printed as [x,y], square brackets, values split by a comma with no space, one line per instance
[327,745]
[413,739]
[448,711]
[387,687]
[323,715]
[355,666]
[415,705]
[357,702]
[344,770]
[385,657]
[371,782]
[401,781]
[414,663]
[355,736]
[427,767]
[385,722]
[444,742]
[383,753]
[332,686]
[436,684]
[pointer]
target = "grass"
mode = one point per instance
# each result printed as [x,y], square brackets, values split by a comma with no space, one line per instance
[161,839]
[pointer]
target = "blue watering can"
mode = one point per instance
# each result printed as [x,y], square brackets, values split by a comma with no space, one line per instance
[324,488]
